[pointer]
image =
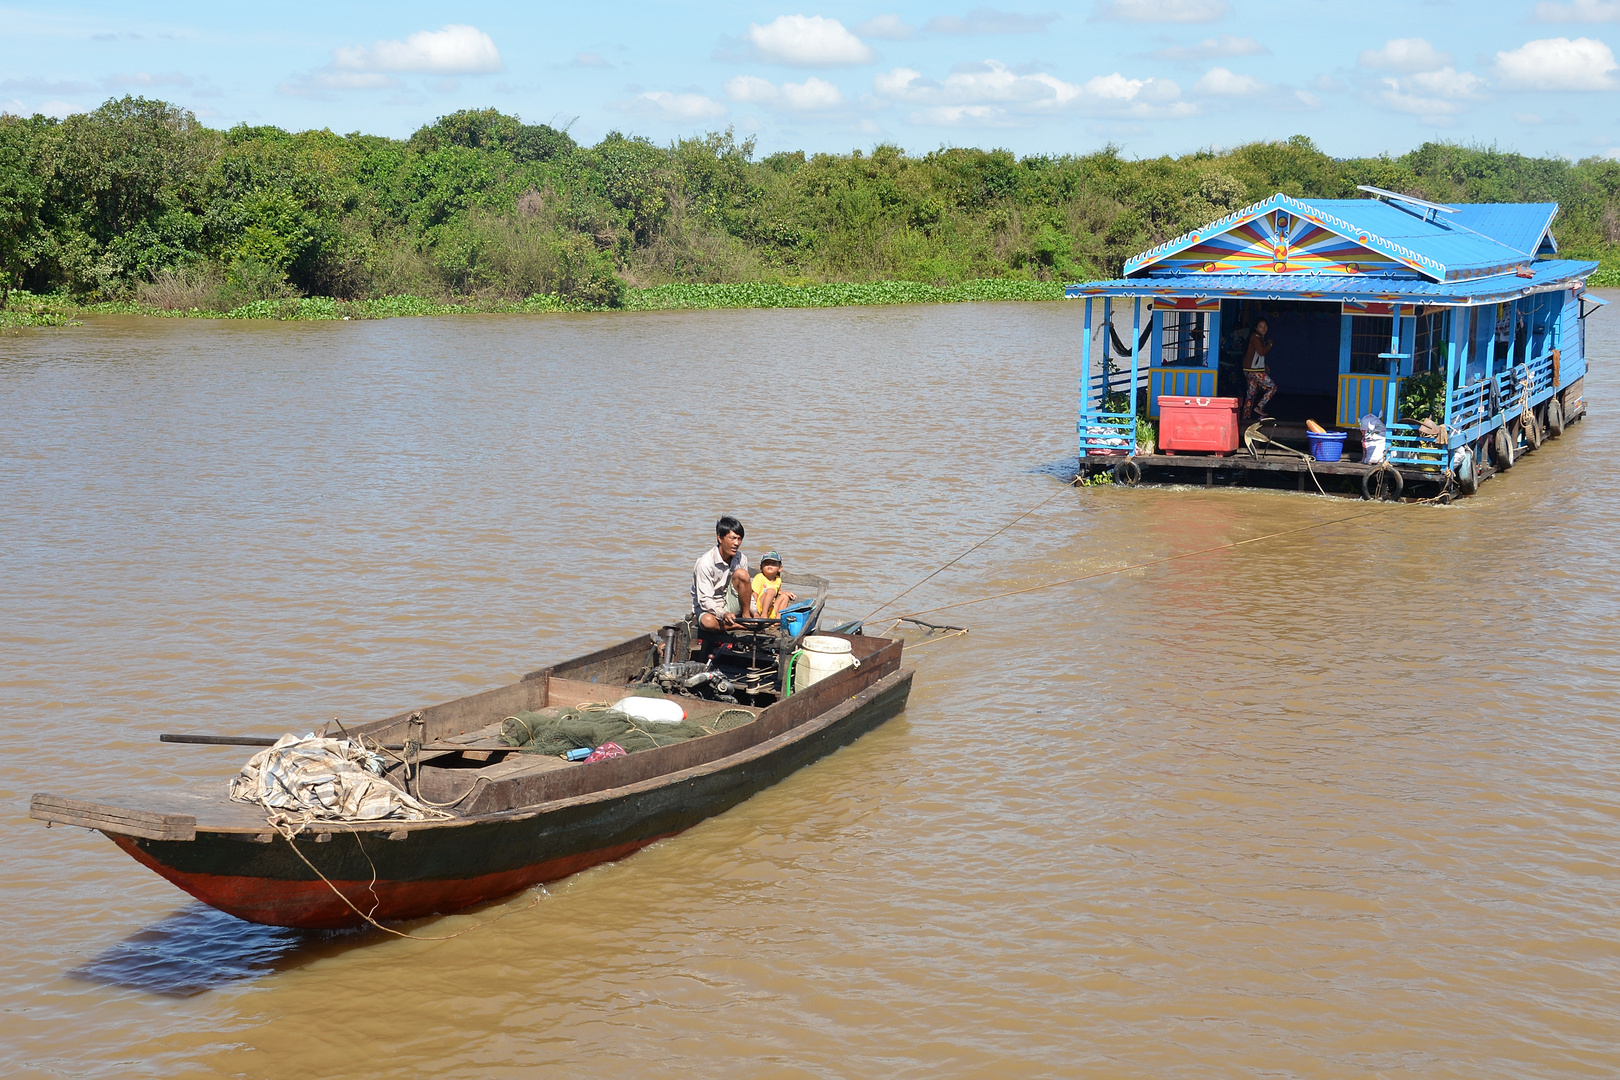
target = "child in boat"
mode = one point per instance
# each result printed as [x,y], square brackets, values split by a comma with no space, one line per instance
[770,594]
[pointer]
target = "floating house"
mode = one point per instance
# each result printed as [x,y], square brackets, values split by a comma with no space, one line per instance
[1364,299]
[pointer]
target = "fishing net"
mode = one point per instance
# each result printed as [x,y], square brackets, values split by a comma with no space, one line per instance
[584,727]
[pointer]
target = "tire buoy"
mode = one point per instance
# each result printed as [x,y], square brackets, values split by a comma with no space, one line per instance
[1555,417]
[1385,483]
[1128,473]
[1502,449]
[1467,473]
[1530,421]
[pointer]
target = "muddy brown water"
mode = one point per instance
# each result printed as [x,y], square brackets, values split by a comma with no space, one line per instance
[1337,804]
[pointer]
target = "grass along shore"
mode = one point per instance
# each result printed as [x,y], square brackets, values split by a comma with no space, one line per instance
[27,309]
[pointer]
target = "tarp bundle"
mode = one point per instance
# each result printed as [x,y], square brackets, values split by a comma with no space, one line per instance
[331,779]
[557,731]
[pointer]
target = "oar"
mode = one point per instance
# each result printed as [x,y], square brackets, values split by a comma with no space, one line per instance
[219,740]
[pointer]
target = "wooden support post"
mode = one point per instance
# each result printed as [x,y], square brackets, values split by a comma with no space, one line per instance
[1085,376]
[1136,348]
[1451,364]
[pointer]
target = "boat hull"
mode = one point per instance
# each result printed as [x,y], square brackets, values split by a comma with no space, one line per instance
[270,879]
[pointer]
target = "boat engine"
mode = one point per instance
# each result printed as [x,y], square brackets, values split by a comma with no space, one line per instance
[693,677]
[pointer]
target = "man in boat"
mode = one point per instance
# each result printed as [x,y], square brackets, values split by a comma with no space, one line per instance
[721,587]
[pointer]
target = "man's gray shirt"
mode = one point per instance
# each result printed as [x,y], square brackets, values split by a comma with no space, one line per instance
[710,576]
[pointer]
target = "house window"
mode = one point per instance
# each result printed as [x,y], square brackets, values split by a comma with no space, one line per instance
[1369,336]
[1429,345]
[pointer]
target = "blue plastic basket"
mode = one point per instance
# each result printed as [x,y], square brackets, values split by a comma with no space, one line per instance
[1328,446]
[794,617]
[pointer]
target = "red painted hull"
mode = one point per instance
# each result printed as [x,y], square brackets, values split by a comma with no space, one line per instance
[312,905]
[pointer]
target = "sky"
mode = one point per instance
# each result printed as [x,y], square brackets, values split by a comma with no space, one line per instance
[1359,77]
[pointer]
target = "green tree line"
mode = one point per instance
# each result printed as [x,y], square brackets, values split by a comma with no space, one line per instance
[138,201]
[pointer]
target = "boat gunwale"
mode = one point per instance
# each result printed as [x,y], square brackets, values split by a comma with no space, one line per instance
[881,661]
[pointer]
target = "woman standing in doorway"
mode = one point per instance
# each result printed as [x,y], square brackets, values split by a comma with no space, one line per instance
[1254,369]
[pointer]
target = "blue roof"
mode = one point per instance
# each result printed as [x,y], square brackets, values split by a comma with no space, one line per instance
[1477,241]
[1458,249]
[1545,275]
[1522,226]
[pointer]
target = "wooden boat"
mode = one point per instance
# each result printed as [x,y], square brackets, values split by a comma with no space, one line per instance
[522,819]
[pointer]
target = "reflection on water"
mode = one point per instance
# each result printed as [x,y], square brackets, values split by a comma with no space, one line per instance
[1339,803]
[200,949]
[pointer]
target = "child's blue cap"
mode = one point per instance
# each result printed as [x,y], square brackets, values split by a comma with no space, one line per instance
[771,556]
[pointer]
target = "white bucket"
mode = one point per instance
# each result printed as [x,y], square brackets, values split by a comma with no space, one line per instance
[822,656]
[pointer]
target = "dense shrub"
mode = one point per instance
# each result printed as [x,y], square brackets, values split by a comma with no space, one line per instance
[137,200]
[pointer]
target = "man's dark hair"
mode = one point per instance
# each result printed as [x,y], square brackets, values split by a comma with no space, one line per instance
[728,524]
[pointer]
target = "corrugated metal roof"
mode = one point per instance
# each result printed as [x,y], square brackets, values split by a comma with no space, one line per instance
[1521,226]
[1458,248]
[1547,274]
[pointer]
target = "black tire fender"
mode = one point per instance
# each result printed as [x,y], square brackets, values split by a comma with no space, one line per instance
[1128,473]
[1467,473]
[1384,483]
[1530,421]
[1555,417]
[1502,449]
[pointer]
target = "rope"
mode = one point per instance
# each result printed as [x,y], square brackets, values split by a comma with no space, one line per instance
[969,551]
[933,640]
[283,825]
[1252,435]
[1151,562]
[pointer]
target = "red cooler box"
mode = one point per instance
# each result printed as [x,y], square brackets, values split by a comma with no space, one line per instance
[1202,424]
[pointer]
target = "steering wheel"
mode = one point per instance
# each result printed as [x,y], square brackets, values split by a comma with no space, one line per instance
[757,624]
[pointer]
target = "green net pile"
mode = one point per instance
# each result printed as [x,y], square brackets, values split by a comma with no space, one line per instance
[557,731]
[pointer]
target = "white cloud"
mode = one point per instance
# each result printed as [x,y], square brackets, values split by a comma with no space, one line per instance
[1161,11]
[1219,82]
[809,96]
[887,27]
[1533,119]
[983,20]
[677,107]
[457,49]
[991,94]
[1558,64]
[1579,11]
[1436,96]
[1215,48]
[808,41]
[1448,83]
[53,107]
[1405,55]
[813,93]
[1434,110]
[589,60]
[60,109]
[750,89]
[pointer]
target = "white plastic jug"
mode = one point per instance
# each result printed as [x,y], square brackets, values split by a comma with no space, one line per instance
[822,656]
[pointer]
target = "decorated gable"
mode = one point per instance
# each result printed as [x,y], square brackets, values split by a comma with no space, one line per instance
[1284,235]
[1279,242]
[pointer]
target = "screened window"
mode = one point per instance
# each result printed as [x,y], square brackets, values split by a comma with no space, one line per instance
[1183,337]
[1369,336]
[1429,345]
